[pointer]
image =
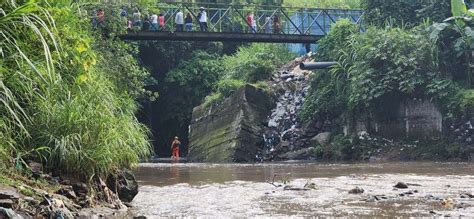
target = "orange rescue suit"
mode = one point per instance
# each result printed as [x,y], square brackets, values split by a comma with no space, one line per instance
[175,148]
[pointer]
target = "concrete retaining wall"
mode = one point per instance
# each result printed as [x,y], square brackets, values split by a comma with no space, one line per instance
[413,120]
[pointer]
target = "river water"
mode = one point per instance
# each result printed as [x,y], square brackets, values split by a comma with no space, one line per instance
[258,190]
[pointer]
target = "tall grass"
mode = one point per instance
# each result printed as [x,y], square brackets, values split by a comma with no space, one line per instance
[60,97]
[21,68]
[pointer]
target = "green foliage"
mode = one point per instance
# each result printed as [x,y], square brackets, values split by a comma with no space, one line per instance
[212,99]
[264,86]
[337,42]
[203,69]
[403,12]
[255,62]
[77,112]
[329,93]
[458,7]
[191,81]
[327,96]
[228,86]
[251,64]
[19,67]
[124,71]
[455,38]
[377,69]
[467,101]
[390,62]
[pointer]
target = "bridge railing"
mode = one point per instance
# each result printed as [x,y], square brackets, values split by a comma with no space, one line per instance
[269,19]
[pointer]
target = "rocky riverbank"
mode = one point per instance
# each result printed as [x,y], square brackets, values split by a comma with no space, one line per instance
[42,195]
[255,125]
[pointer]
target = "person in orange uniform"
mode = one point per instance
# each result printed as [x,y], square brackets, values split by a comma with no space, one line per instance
[175,148]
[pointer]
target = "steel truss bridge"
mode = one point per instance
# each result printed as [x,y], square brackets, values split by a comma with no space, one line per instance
[227,22]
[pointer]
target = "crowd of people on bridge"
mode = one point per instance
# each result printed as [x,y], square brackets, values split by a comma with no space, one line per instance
[157,22]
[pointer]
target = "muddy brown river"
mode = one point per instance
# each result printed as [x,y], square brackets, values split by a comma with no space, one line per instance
[278,190]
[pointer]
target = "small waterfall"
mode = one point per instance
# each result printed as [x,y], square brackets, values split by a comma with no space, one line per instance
[284,131]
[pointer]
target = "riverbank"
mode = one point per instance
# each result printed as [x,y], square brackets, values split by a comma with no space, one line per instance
[293,189]
[43,195]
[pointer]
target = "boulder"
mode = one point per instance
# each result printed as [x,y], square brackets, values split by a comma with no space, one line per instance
[231,131]
[301,154]
[285,76]
[67,191]
[36,169]
[401,185]
[124,185]
[80,189]
[323,138]
[7,192]
[9,213]
[356,190]
[6,203]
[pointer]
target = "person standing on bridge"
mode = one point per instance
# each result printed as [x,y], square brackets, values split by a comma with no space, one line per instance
[137,18]
[123,12]
[161,21]
[175,148]
[189,22]
[179,20]
[154,22]
[202,19]
[251,22]
[129,24]
[100,17]
[146,24]
[276,24]
[268,24]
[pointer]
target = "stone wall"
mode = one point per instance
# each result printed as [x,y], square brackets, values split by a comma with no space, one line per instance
[413,119]
[231,131]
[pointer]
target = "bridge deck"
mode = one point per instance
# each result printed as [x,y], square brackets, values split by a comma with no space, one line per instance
[222,36]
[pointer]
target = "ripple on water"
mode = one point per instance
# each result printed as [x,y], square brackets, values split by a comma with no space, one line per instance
[240,196]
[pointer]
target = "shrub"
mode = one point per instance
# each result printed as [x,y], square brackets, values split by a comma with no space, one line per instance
[377,69]
[264,86]
[328,93]
[467,101]
[212,99]
[390,62]
[402,12]
[228,86]
[255,62]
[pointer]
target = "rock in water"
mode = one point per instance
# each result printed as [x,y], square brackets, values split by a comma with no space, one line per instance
[467,195]
[401,185]
[231,131]
[356,190]
[124,184]
[304,153]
